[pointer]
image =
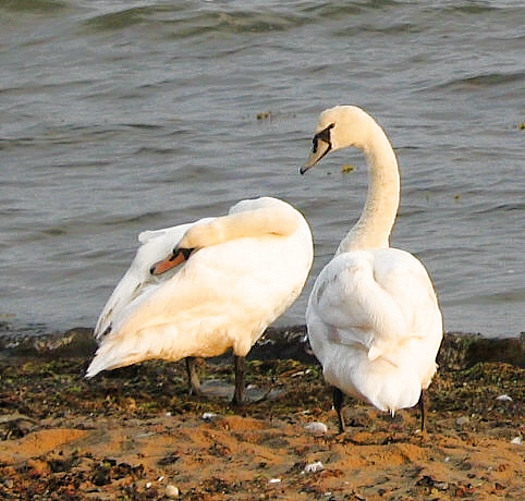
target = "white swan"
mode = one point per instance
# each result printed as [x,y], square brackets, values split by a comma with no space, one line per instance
[373,318]
[225,281]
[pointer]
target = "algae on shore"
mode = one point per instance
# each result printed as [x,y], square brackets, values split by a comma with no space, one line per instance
[134,433]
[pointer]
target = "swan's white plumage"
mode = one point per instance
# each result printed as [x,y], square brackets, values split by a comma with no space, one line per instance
[155,245]
[240,279]
[367,318]
[373,318]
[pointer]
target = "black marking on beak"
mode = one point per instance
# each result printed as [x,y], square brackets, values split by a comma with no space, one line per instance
[184,251]
[324,136]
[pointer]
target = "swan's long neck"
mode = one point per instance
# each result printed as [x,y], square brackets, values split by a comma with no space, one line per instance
[373,228]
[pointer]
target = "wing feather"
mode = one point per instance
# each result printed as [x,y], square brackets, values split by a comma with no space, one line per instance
[374,298]
[156,245]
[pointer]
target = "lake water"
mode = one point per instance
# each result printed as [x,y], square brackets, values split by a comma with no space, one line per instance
[120,116]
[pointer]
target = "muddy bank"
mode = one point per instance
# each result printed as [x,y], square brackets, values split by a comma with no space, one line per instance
[458,350]
[134,433]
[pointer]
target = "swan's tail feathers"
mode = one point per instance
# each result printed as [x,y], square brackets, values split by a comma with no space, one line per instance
[121,349]
[109,357]
[94,368]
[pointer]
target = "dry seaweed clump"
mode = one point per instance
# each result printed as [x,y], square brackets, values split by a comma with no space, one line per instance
[134,433]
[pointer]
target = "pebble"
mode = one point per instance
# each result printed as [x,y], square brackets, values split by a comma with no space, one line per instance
[505,398]
[313,467]
[172,492]
[208,416]
[516,441]
[462,420]
[316,428]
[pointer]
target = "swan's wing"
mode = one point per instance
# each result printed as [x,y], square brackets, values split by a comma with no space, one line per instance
[155,245]
[373,298]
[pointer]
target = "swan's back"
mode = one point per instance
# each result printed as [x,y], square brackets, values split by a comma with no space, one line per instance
[375,325]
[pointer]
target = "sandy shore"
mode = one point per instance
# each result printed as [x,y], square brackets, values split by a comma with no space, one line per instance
[134,433]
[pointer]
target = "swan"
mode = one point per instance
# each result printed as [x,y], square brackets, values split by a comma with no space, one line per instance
[202,288]
[373,318]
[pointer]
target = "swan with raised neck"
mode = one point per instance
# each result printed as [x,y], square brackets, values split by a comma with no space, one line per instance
[373,318]
[349,126]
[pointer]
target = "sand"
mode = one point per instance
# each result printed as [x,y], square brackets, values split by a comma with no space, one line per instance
[134,433]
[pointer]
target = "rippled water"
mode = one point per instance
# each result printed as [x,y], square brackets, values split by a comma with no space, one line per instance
[119,116]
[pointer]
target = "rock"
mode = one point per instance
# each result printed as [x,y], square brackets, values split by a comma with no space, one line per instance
[313,467]
[171,491]
[316,428]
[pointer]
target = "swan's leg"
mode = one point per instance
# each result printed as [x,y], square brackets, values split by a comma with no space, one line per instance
[421,405]
[240,370]
[194,385]
[338,397]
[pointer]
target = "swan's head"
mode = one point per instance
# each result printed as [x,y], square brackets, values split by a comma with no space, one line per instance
[339,127]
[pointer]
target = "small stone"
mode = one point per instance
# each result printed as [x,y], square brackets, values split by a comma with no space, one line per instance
[172,492]
[516,441]
[313,467]
[462,420]
[316,428]
[504,398]
[208,416]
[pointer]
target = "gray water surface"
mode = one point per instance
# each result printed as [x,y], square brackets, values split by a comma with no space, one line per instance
[121,116]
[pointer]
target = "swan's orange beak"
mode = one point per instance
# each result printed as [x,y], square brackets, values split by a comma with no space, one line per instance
[174,259]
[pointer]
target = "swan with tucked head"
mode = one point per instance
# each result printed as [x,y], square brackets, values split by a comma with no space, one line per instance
[226,279]
[373,317]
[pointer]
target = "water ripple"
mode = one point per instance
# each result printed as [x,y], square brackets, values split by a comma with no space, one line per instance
[484,80]
[189,23]
[125,115]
